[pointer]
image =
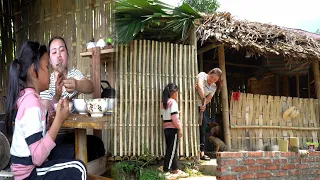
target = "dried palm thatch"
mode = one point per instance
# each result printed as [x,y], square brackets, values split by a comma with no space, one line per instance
[258,38]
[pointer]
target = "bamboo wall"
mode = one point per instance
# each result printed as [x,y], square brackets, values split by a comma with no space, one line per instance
[142,70]
[256,121]
[6,48]
[78,21]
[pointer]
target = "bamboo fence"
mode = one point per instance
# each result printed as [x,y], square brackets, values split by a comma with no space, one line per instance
[142,69]
[77,21]
[257,120]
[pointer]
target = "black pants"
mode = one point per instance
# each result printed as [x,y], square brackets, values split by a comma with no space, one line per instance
[202,129]
[60,169]
[171,157]
[65,147]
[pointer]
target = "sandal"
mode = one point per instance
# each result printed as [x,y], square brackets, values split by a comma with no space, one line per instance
[205,158]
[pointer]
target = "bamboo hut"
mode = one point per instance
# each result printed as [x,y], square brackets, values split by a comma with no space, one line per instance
[267,70]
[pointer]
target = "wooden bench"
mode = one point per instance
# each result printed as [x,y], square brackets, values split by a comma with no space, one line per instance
[95,177]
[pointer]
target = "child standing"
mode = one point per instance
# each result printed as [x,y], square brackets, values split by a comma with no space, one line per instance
[172,131]
[31,143]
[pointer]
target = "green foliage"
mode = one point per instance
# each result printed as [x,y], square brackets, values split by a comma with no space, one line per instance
[204,6]
[150,173]
[126,170]
[316,144]
[152,19]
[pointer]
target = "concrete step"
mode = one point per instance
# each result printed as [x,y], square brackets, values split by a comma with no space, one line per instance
[208,167]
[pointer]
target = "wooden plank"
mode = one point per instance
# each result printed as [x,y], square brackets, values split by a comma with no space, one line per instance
[81,145]
[87,122]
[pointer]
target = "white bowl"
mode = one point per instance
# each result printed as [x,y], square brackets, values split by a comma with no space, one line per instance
[97,107]
[91,45]
[70,107]
[101,43]
[80,105]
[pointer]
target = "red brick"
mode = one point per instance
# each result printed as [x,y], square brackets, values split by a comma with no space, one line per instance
[222,169]
[240,168]
[272,167]
[294,172]
[248,176]
[255,154]
[272,154]
[249,161]
[293,160]
[263,161]
[280,161]
[314,153]
[280,173]
[288,166]
[289,154]
[302,166]
[263,175]
[227,162]
[226,177]
[307,159]
[255,168]
[230,154]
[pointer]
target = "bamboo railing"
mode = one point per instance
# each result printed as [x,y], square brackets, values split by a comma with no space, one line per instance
[256,121]
[141,71]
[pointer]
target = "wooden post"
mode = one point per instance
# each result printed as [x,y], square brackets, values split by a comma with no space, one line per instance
[285,86]
[298,85]
[201,62]
[315,68]
[277,86]
[224,100]
[309,93]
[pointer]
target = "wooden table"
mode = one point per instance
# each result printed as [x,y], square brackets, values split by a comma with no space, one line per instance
[81,123]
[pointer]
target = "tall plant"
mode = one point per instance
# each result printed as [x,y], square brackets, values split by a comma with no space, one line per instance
[152,19]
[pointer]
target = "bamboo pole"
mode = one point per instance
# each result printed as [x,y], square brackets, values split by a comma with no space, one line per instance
[195,108]
[131,100]
[180,89]
[135,96]
[315,68]
[126,111]
[153,124]
[157,99]
[121,97]
[274,127]
[139,97]
[147,116]
[186,117]
[224,91]
[191,106]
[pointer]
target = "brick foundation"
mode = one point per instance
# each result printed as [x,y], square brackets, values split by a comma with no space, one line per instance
[267,165]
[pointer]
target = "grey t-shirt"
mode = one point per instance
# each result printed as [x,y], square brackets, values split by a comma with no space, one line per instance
[206,88]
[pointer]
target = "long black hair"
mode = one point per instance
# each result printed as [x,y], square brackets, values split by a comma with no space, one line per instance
[30,54]
[166,93]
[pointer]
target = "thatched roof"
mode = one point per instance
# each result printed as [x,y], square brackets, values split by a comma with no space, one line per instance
[258,38]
